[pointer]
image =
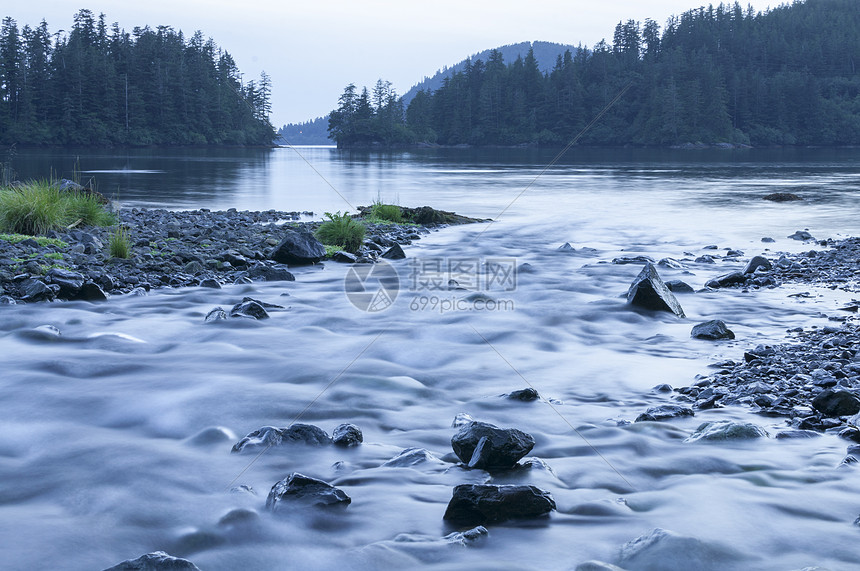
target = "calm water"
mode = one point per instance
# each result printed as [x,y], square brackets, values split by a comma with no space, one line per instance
[98,455]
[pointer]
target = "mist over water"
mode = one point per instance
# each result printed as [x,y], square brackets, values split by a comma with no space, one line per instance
[116,432]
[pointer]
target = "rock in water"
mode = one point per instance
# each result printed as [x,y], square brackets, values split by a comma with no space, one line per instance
[649,292]
[664,412]
[727,280]
[307,491]
[395,252]
[661,549]
[488,447]
[757,262]
[566,247]
[712,330]
[347,435]
[155,561]
[721,430]
[480,504]
[298,248]
[217,314]
[836,403]
[249,309]
[678,286]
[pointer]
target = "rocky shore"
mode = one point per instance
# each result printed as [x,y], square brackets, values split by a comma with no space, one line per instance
[177,249]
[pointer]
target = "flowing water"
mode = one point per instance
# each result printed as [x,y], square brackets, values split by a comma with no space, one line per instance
[108,439]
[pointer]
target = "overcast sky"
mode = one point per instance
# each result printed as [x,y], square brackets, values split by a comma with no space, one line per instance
[313,48]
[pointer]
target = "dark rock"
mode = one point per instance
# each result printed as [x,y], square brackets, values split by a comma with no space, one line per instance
[712,330]
[263,304]
[670,263]
[299,489]
[706,259]
[649,292]
[250,309]
[566,247]
[262,437]
[795,434]
[721,430]
[270,274]
[663,388]
[781,197]
[305,434]
[678,286]
[664,412]
[481,504]
[210,283]
[768,240]
[801,235]
[633,260]
[488,447]
[91,292]
[347,435]
[727,280]
[217,314]
[757,262]
[344,257]
[525,395]
[70,282]
[298,248]
[155,561]
[395,252]
[835,403]
[36,290]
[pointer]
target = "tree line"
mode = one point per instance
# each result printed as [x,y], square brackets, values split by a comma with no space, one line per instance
[100,85]
[723,74]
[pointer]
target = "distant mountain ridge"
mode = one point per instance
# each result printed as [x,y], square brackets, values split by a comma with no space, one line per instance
[545,53]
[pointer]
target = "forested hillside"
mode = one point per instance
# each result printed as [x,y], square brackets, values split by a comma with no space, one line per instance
[100,85]
[720,74]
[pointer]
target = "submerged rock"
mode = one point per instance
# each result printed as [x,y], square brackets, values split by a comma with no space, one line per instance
[481,504]
[484,446]
[525,395]
[566,247]
[411,457]
[300,489]
[712,330]
[664,412]
[250,309]
[633,260]
[781,197]
[217,314]
[662,549]
[298,248]
[649,292]
[721,430]
[801,235]
[155,561]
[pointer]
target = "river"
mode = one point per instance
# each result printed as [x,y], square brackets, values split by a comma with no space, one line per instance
[107,447]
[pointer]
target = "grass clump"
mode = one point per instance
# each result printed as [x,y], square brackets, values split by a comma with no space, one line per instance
[41,240]
[332,250]
[386,212]
[341,230]
[120,242]
[36,207]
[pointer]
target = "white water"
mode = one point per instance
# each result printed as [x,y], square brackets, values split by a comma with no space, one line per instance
[96,453]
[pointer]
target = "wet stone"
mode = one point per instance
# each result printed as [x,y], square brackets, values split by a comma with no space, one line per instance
[217,314]
[155,561]
[524,395]
[303,490]
[249,309]
[712,330]
[482,504]
[347,435]
[835,403]
[484,446]
[664,412]
[411,457]
[722,430]
[649,292]
[395,252]
[298,248]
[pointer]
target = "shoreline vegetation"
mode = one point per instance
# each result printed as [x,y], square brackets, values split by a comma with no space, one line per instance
[717,75]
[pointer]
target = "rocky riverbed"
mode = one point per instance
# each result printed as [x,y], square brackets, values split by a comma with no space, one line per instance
[178,249]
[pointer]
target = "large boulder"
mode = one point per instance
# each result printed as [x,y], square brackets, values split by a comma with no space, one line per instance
[649,292]
[836,403]
[481,504]
[155,561]
[712,330]
[485,446]
[757,262]
[298,248]
[70,282]
[300,489]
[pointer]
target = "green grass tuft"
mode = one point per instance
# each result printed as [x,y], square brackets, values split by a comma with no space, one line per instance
[36,207]
[41,240]
[386,212]
[120,242]
[341,230]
